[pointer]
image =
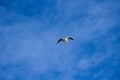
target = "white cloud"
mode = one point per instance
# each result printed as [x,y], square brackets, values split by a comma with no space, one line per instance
[32,42]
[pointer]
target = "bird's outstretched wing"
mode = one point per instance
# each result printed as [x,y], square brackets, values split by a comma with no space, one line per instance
[60,40]
[70,38]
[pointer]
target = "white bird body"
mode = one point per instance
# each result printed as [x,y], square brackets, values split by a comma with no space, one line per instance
[65,40]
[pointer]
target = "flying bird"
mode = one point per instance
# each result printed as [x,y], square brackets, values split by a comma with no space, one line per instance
[65,40]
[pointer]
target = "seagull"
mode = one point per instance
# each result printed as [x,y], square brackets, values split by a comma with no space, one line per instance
[65,40]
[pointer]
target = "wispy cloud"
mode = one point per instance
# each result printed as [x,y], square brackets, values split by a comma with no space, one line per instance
[28,37]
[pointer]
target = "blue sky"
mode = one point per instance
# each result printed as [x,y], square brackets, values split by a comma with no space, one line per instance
[29,30]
